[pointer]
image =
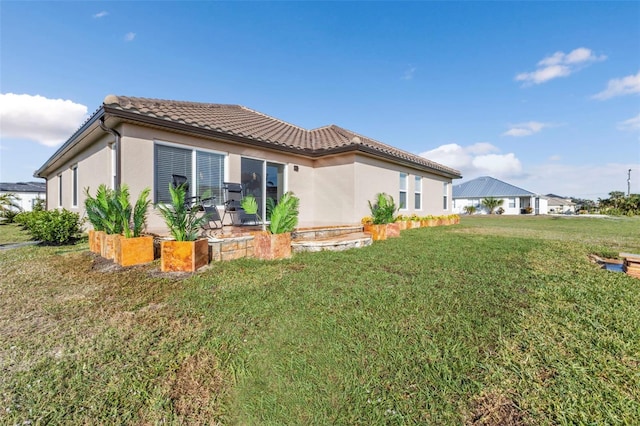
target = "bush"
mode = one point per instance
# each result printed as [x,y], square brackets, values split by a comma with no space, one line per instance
[53,226]
[9,216]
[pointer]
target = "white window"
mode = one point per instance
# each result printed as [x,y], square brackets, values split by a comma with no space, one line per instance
[512,203]
[203,170]
[74,186]
[445,195]
[418,193]
[60,190]
[403,191]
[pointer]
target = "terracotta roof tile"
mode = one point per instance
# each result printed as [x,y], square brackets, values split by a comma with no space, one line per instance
[244,122]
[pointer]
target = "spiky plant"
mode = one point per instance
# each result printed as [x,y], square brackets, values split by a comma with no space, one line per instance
[140,212]
[383,210]
[8,202]
[284,216]
[492,203]
[183,223]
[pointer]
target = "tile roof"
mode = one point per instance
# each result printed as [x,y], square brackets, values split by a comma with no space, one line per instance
[487,186]
[23,187]
[240,121]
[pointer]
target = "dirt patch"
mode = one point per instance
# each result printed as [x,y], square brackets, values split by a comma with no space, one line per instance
[197,389]
[495,409]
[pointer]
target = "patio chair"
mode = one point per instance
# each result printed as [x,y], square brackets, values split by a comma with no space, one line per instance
[213,221]
[233,195]
[180,180]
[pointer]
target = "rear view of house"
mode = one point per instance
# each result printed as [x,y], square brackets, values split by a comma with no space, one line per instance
[27,194]
[146,142]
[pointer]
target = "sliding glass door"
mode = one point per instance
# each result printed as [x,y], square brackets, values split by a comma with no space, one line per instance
[253,173]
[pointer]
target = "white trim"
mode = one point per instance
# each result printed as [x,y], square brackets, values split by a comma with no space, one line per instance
[405,191]
[417,190]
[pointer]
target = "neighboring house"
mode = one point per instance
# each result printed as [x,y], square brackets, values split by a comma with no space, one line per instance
[515,200]
[27,193]
[143,142]
[560,205]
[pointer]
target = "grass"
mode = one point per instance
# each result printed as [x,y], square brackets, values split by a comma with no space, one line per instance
[494,321]
[10,233]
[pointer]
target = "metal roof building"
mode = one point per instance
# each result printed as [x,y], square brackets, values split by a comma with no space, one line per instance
[487,186]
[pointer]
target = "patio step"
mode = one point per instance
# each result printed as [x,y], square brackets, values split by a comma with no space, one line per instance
[340,242]
[320,233]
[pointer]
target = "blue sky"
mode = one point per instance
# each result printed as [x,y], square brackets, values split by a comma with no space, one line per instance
[543,95]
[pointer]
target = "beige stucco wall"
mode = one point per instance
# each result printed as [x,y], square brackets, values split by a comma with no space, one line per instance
[333,190]
[94,168]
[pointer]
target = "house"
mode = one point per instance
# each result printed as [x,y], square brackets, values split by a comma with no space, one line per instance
[560,205]
[515,200]
[27,193]
[144,142]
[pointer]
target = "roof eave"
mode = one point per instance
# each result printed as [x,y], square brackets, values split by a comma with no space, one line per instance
[70,143]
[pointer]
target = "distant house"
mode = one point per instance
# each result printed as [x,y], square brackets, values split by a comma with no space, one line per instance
[560,205]
[515,200]
[334,171]
[27,193]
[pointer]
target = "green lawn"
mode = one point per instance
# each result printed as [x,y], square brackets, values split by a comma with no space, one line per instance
[494,321]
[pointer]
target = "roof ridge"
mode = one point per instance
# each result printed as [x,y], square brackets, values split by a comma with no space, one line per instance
[272,117]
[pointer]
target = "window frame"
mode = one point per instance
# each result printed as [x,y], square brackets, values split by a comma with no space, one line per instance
[404,178]
[60,190]
[74,185]
[417,193]
[445,195]
[193,179]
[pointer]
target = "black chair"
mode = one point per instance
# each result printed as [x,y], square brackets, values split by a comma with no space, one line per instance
[213,217]
[233,193]
[180,180]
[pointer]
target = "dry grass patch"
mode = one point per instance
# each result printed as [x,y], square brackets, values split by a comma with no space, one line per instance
[493,408]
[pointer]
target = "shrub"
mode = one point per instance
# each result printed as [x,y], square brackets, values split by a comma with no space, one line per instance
[9,215]
[54,226]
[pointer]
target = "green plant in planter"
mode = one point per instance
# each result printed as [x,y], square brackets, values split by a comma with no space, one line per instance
[183,223]
[284,215]
[111,211]
[383,209]
[100,210]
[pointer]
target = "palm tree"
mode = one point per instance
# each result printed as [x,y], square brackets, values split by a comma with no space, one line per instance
[470,209]
[491,203]
[8,202]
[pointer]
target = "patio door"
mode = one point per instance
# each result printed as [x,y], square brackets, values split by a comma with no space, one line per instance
[263,180]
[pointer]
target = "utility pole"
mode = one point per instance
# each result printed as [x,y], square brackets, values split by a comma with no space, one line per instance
[629,183]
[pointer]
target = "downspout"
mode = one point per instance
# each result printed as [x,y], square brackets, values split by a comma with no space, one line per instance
[116,145]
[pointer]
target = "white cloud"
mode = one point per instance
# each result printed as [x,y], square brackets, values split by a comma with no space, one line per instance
[559,64]
[590,181]
[555,158]
[101,14]
[129,36]
[408,74]
[46,121]
[631,124]
[477,159]
[620,86]
[525,129]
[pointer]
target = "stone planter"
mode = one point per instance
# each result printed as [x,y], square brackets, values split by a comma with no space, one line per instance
[95,241]
[402,225]
[415,224]
[393,230]
[269,246]
[183,256]
[108,245]
[134,251]
[378,232]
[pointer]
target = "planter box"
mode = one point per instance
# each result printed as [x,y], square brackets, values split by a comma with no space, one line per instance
[95,241]
[402,225]
[415,224]
[393,230]
[268,246]
[108,245]
[183,256]
[378,232]
[134,251]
